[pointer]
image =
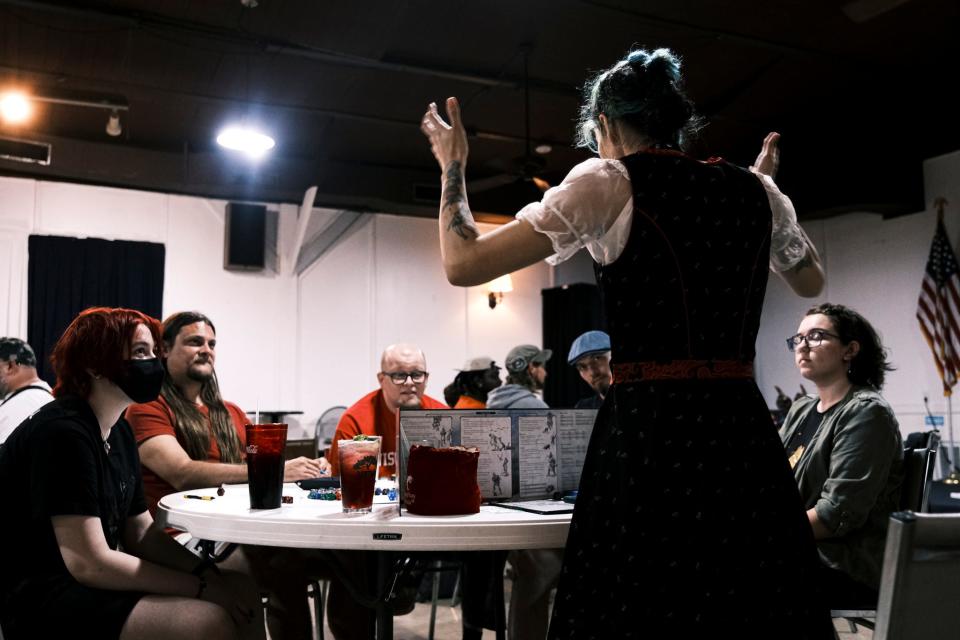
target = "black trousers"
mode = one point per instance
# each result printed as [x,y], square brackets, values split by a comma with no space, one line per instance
[843,592]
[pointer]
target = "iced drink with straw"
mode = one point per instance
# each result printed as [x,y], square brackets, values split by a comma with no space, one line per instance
[359,460]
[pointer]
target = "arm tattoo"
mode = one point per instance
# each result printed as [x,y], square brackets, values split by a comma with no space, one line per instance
[805,261]
[461,220]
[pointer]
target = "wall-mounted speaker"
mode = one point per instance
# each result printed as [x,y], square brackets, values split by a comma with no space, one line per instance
[244,243]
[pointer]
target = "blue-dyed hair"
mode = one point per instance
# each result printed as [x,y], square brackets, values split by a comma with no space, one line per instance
[644,90]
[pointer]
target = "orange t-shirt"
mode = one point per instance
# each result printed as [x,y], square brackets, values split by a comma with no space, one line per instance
[156,419]
[372,417]
[466,402]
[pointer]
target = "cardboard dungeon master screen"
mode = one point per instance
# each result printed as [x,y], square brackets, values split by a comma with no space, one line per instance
[524,453]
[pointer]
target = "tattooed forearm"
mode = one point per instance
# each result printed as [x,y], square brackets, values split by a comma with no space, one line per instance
[805,261]
[455,204]
[453,186]
[461,223]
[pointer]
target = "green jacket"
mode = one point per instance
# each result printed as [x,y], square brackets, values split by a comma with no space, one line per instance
[851,473]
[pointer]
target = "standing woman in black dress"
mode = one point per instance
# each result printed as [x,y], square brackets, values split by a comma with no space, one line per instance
[82,557]
[688,519]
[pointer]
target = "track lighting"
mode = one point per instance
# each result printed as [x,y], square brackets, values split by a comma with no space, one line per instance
[114,128]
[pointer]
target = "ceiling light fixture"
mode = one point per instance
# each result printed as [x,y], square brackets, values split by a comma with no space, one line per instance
[246,140]
[15,107]
[114,128]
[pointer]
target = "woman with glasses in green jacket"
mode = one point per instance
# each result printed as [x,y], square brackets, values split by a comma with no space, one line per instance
[845,449]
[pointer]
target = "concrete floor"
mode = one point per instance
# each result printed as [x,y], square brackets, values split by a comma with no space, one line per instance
[416,625]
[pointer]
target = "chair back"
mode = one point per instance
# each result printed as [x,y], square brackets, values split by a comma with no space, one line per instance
[327,428]
[921,576]
[918,465]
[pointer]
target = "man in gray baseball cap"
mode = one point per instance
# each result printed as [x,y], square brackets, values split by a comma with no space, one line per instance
[590,355]
[535,571]
[22,392]
[526,373]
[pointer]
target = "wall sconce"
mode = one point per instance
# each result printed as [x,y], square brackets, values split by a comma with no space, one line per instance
[497,288]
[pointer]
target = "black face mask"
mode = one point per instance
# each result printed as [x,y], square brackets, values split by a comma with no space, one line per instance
[141,380]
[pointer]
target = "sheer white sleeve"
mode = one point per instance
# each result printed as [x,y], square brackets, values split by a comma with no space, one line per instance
[591,208]
[788,242]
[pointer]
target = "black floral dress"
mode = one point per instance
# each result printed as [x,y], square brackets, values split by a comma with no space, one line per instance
[688,521]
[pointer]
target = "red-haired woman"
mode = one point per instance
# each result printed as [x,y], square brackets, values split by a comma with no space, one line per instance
[82,559]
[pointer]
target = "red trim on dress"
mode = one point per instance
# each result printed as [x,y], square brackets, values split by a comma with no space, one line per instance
[681,370]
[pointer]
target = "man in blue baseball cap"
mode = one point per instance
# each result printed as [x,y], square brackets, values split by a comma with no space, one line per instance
[590,354]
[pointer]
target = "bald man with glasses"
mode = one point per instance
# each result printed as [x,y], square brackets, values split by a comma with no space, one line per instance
[403,378]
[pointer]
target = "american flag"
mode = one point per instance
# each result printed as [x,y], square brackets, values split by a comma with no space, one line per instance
[938,308]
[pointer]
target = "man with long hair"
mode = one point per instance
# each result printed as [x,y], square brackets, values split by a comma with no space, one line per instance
[190,437]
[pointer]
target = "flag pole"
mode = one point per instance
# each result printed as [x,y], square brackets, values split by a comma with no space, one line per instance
[954,477]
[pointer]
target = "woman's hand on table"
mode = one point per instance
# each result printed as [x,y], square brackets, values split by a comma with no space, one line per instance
[303,468]
[448,142]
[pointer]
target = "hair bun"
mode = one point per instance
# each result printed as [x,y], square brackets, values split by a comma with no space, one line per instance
[664,62]
[645,91]
[638,57]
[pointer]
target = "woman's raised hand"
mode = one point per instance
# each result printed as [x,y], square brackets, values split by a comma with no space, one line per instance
[448,142]
[768,160]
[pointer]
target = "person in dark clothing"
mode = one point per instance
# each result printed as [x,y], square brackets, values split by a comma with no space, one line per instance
[474,382]
[88,561]
[688,520]
[590,356]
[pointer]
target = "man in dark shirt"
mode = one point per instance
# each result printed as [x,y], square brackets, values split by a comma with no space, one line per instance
[590,354]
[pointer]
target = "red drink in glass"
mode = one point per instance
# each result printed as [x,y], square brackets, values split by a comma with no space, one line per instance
[265,445]
[359,460]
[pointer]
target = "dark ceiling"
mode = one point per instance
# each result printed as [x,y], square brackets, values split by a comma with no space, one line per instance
[860,91]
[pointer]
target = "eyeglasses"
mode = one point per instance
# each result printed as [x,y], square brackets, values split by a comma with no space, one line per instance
[813,339]
[399,377]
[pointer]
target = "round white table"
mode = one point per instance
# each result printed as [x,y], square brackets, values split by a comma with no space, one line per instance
[321,524]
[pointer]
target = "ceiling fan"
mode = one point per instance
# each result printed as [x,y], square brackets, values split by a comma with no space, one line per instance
[525,168]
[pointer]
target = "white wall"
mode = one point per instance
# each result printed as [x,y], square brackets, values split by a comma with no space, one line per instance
[384,284]
[314,341]
[285,341]
[875,266]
